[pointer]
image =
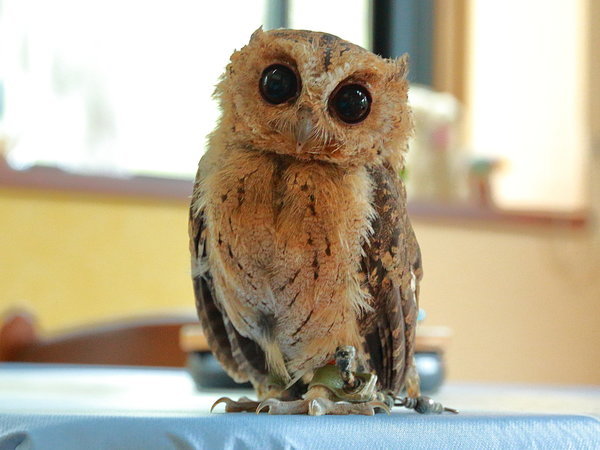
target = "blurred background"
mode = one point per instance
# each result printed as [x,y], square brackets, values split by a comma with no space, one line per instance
[104,109]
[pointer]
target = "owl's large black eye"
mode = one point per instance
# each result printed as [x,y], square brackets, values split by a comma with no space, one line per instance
[278,84]
[351,103]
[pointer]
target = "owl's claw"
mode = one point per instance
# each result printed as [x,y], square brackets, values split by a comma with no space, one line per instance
[244,404]
[320,407]
[276,406]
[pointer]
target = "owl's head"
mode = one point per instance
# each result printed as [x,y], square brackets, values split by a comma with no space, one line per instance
[315,96]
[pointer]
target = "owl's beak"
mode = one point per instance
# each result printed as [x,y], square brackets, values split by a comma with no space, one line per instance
[304,129]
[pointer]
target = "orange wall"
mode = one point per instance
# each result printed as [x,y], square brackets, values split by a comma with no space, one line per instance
[523,302]
[76,259]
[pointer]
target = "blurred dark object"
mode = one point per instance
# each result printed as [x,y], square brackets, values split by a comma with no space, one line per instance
[207,373]
[140,341]
[430,366]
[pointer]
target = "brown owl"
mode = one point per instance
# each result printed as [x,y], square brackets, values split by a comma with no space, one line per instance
[306,269]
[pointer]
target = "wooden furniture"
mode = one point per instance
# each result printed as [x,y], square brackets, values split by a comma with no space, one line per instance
[140,341]
[429,339]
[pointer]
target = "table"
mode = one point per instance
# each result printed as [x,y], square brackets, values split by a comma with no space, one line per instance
[96,407]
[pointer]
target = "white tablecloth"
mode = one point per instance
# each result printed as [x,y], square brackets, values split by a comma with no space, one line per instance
[74,407]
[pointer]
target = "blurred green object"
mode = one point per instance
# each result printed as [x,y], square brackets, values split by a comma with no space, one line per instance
[404,173]
[484,166]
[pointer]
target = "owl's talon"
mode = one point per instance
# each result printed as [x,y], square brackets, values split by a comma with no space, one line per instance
[220,400]
[281,407]
[265,404]
[261,406]
[244,404]
[381,405]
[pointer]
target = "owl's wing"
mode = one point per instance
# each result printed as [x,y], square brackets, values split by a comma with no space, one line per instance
[241,357]
[391,267]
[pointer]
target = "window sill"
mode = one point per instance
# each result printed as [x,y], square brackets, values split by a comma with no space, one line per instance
[50,178]
[465,212]
[47,178]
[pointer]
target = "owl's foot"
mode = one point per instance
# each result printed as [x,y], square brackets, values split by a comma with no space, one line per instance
[244,404]
[423,405]
[321,406]
[335,389]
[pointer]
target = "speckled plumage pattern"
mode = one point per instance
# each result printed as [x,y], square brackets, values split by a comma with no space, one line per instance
[296,252]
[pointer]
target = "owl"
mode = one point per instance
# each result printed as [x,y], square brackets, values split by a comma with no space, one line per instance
[305,266]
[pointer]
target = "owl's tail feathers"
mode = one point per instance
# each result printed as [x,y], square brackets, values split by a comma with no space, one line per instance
[278,372]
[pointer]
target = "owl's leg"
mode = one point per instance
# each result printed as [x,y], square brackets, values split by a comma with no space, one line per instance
[414,400]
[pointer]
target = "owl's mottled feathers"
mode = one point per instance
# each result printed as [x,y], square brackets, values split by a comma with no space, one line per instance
[298,248]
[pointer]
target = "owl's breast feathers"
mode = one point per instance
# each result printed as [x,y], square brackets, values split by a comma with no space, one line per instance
[293,259]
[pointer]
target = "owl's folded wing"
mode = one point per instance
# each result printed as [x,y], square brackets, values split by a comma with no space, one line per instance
[242,358]
[391,267]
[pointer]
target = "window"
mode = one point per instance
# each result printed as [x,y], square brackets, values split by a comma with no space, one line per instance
[350,20]
[526,98]
[115,86]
